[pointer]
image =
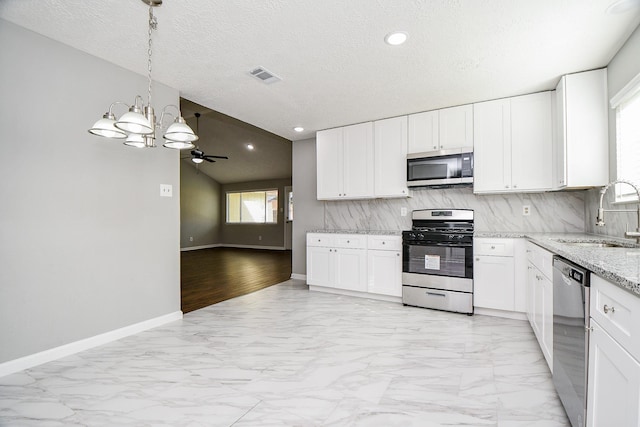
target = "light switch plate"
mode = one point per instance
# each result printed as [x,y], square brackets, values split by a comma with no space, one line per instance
[166,190]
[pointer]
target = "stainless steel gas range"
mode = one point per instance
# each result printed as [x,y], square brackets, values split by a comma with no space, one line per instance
[437,263]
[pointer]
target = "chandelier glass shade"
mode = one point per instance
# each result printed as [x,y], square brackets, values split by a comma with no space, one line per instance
[138,125]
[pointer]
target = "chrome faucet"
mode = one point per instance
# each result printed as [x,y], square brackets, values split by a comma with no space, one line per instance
[601,211]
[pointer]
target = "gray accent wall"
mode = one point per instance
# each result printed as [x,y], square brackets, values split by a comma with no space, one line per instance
[624,66]
[199,208]
[270,236]
[308,211]
[87,245]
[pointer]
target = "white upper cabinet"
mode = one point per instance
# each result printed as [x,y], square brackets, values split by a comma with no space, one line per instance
[344,159]
[424,132]
[581,155]
[456,127]
[513,144]
[390,172]
[441,129]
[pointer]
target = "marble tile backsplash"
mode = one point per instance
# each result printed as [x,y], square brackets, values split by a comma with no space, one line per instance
[616,223]
[550,212]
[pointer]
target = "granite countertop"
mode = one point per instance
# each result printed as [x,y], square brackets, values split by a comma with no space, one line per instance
[619,265]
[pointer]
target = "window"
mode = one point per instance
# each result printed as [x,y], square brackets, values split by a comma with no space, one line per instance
[290,206]
[253,207]
[627,105]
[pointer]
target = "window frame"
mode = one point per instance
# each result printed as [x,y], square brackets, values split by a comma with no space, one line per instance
[240,192]
[630,92]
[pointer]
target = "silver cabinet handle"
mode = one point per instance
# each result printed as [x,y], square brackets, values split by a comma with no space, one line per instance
[493,247]
[608,309]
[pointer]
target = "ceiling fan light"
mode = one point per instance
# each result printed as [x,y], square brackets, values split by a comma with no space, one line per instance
[105,127]
[134,122]
[197,160]
[135,140]
[178,145]
[180,131]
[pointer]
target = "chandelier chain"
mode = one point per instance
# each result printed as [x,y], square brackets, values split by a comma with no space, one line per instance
[153,23]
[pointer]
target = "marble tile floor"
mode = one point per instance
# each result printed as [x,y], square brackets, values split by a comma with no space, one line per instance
[285,356]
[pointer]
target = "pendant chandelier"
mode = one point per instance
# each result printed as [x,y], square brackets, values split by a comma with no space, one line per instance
[138,126]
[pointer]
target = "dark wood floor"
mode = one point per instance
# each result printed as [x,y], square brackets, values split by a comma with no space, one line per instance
[217,274]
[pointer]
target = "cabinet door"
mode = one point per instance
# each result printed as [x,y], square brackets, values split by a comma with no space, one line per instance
[358,160]
[492,146]
[613,395]
[329,162]
[319,266]
[530,295]
[531,142]
[456,127]
[385,272]
[424,132]
[559,140]
[350,269]
[544,316]
[390,141]
[493,282]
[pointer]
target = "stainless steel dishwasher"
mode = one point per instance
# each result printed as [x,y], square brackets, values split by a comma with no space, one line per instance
[571,293]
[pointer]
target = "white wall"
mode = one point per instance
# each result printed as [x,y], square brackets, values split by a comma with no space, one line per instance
[624,66]
[86,243]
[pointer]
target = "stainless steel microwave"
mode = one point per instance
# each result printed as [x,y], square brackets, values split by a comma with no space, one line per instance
[440,168]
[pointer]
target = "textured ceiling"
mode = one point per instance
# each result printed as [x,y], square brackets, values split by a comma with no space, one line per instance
[330,54]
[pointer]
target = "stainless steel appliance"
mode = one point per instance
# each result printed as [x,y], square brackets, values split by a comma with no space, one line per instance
[437,260]
[571,291]
[440,168]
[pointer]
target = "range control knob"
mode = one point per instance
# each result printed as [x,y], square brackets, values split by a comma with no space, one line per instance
[420,236]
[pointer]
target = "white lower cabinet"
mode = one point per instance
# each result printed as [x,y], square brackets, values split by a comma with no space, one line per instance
[350,269]
[613,395]
[540,298]
[384,260]
[355,262]
[493,274]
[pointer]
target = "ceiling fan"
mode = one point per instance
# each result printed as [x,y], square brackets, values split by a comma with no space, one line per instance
[198,156]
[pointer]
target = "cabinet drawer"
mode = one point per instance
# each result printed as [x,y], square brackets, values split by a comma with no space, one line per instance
[541,258]
[391,243]
[495,247]
[358,241]
[319,239]
[618,312]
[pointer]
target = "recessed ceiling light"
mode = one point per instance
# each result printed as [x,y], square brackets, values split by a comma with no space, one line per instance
[298,129]
[250,147]
[396,38]
[622,6]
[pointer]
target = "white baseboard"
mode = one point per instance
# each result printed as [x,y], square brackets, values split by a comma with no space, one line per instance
[195,248]
[36,359]
[299,276]
[272,248]
[378,297]
[500,313]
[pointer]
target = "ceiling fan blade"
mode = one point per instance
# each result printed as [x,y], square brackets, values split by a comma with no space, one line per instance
[217,157]
[209,160]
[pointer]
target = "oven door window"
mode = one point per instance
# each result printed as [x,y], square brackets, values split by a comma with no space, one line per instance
[441,167]
[449,261]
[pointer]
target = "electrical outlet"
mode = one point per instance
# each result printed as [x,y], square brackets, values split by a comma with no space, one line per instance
[526,210]
[403,211]
[259,237]
[191,238]
[166,190]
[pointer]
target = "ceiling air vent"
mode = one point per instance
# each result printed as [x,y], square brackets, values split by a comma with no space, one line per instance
[264,75]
